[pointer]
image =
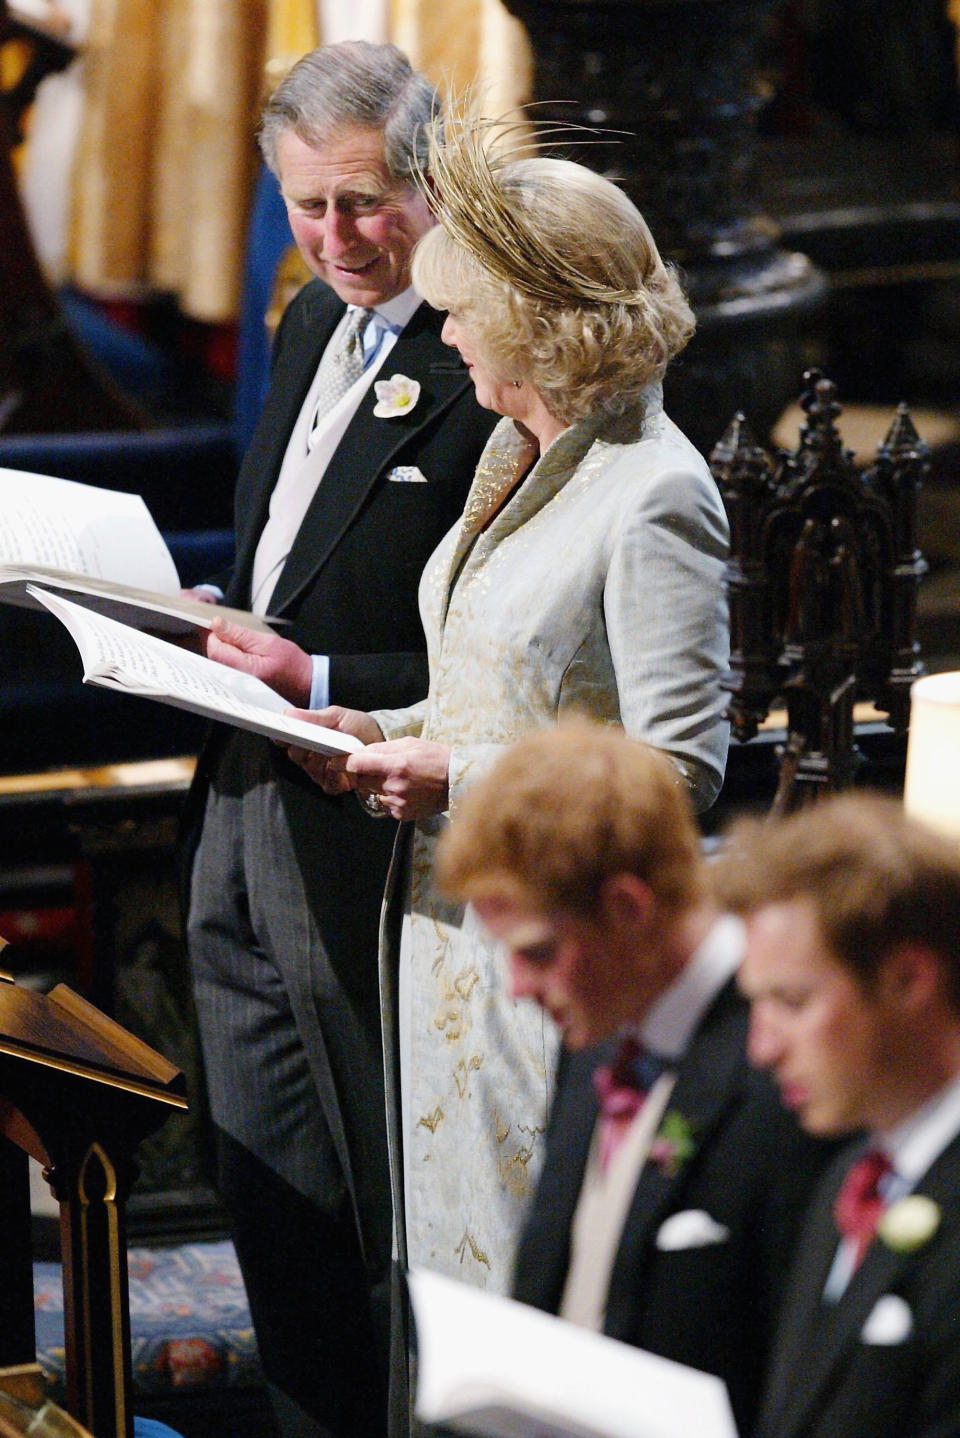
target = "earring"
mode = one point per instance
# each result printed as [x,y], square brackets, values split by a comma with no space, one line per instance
[518,384]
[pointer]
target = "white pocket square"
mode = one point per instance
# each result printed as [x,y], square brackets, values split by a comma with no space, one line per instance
[693,1228]
[406,474]
[890,1321]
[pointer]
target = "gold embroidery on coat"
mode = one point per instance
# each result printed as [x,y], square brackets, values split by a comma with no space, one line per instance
[451,1015]
[449,1018]
[463,1070]
[496,474]
[468,1241]
[465,981]
[513,1170]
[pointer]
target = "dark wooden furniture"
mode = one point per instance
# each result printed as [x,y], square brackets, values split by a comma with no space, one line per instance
[823,580]
[26,1410]
[673,86]
[78,1093]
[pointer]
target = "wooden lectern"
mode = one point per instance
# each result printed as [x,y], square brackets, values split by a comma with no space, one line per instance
[78,1093]
[25,1411]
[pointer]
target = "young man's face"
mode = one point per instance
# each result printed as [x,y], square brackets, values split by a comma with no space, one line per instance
[825,1040]
[355,225]
[583,972]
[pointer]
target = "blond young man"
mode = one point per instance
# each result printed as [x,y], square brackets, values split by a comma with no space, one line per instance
[580,852]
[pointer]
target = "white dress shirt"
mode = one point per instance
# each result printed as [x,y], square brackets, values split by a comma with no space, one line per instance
[308,455]
[607,1193]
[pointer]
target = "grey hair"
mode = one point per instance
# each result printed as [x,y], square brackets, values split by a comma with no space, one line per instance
[354,83]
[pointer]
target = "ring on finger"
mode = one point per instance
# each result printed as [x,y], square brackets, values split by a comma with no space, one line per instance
[373,803]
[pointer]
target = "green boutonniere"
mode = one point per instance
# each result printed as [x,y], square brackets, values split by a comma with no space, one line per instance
[674,1144]
[909,1223]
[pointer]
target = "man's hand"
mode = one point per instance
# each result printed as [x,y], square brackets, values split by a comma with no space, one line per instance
[278,662]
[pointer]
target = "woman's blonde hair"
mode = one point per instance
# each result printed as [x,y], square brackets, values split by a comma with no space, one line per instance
[557,274]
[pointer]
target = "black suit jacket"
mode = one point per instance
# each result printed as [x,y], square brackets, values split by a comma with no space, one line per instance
[710,1306]
[828,1379]
[349,590]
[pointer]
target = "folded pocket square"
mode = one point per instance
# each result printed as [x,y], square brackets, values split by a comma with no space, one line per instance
[693,1228]
[406,474]
[890,1321]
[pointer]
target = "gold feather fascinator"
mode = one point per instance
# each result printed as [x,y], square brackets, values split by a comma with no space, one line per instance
[469,187]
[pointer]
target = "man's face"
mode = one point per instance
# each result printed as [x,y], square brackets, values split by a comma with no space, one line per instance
[583,972]
[825,1040]
[355,225]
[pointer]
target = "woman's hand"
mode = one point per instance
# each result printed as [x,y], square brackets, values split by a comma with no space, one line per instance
[278,662]
[328,770]
[410,777]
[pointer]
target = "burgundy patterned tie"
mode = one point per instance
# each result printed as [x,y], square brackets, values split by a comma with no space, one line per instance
[858,1204]
[621,1087]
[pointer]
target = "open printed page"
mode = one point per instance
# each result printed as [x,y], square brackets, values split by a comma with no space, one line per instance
[78,528]
[100,543]
[117,656]
[493,1367]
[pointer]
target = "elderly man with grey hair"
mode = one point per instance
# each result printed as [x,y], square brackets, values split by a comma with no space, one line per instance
[341,499]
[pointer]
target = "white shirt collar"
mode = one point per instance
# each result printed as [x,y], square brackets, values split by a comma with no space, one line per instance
[915,1143]
[396,313]
[672,1020]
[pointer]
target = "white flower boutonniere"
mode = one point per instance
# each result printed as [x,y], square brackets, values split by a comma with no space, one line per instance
[395,396]
[909,1223]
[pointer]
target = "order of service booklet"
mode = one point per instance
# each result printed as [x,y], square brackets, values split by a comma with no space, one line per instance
[120,657]
[101,543]
[493,1367]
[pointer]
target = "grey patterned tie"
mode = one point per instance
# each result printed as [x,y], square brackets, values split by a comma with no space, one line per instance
[341,365]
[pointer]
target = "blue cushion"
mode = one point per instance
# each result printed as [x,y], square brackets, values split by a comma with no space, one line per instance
[185,473]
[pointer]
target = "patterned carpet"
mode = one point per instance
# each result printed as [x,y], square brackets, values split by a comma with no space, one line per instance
[194,1354]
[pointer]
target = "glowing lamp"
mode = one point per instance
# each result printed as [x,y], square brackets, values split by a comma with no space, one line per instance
[932,786]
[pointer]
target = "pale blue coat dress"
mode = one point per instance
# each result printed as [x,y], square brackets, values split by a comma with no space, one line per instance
[597,588]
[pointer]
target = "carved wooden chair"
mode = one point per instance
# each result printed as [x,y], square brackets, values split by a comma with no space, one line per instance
[822,578]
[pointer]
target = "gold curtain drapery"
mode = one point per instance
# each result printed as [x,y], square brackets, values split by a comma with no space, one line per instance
[166,154]
[170,91]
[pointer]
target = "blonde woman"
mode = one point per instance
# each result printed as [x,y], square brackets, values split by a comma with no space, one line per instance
[585,575]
